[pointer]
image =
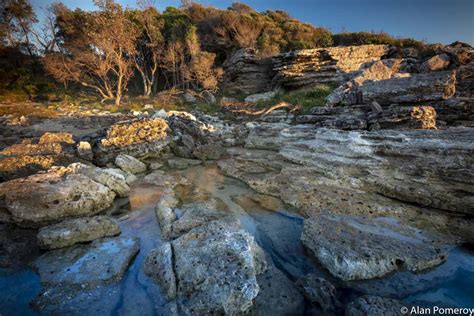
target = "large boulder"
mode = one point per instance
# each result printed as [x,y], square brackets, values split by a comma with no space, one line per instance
[73,231]
[104,261]
[215,267]
[358,248]
[433,86]
[50,197]
[323,65]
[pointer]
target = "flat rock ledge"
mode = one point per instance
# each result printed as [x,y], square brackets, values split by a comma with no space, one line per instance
[102,262]
[73,231]
[355,248]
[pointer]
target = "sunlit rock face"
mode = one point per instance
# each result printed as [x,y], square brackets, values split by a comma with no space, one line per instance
[33,155]
[323,65]
[137,138]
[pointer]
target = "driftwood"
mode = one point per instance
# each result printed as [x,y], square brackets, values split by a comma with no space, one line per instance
[249,108]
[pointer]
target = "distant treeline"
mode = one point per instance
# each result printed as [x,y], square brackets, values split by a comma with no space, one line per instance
[107,49]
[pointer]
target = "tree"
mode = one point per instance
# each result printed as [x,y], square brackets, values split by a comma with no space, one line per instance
[16,22]
[96,49]
[149,46]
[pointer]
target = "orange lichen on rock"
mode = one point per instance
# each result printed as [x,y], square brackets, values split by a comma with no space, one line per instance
[56,138]
[140,131]
[426,115]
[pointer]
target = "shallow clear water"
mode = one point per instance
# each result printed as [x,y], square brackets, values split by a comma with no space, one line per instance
[277,232]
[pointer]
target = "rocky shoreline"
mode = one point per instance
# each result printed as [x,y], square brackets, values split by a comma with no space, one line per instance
[380,182]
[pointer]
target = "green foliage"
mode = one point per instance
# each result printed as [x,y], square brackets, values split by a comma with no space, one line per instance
[306,98]
[363,38]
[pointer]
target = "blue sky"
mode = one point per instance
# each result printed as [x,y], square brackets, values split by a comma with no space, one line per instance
[437,21]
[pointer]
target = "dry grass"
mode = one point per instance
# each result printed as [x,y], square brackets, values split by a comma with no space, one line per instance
[24,109]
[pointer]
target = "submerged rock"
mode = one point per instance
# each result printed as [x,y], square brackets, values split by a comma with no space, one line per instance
[158,265]
[277,295]
[358,248]
[320,292]
[182,163]
[374,306]
[104,261]
[73,231]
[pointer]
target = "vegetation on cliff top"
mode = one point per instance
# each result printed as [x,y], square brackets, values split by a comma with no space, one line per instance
[114,51]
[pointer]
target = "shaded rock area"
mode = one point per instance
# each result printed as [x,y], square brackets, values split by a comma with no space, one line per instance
[73,231]
[374,305]
[320,293]
[359,248]
[18,246]
[247,73]
[104,261]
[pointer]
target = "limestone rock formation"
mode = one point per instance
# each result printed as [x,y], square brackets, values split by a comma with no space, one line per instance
[357,248]
[418,176]
[215,267]
[50,197]
[114,179]
[158,265]
[130,164]
[137,138]
[323,65]
[73,231]
[247,73]
[104,261]
[438,62]
[31,156]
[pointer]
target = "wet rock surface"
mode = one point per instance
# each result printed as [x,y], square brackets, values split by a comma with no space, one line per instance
[215,267]
[374,305]
[358,248]
[73,231]
[104,261]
